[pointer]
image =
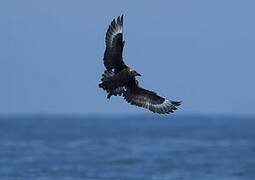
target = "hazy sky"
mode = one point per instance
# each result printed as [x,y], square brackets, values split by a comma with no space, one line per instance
[200,52]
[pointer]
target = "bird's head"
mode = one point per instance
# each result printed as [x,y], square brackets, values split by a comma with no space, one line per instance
[133,73]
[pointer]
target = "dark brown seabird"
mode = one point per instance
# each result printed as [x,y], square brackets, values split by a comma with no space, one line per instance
[119,79]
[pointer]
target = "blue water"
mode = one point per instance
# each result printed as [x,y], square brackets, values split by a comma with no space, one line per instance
[129,147]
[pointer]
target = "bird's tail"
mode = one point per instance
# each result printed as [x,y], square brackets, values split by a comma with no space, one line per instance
[105,84]
[105,80]
[107,75]
[116,92]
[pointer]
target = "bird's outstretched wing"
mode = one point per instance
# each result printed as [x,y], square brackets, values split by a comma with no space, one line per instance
[139,96]
[114,46]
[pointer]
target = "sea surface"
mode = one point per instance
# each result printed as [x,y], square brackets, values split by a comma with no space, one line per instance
[127,147]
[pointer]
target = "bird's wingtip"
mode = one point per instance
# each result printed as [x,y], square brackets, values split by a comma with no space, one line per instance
[176,103]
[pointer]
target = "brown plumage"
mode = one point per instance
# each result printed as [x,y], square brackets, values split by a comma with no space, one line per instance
[119,79]
[114,46]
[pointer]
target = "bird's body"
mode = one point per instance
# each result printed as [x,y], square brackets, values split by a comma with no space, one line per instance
[119,79]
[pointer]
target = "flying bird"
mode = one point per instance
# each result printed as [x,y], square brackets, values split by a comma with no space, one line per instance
[120,80]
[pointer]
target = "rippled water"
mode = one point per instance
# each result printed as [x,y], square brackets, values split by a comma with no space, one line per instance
[156,147]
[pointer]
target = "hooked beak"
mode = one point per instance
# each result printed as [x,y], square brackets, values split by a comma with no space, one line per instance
[138,74]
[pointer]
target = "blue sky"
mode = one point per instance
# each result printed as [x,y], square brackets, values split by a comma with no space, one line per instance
[200,52]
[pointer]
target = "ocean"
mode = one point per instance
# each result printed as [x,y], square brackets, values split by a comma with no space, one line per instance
[171,147]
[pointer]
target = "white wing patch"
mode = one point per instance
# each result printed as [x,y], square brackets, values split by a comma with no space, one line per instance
[149,100]
[113,30]
[167,106]
[117,30]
